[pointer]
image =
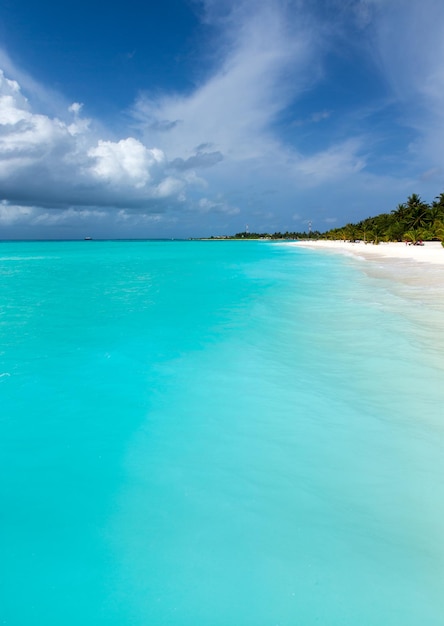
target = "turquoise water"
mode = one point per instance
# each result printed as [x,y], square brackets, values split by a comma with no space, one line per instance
[215,434]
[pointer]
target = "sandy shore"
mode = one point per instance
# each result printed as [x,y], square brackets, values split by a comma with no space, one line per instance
[430,252]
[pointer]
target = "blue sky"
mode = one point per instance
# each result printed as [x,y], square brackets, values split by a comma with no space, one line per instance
[189,118]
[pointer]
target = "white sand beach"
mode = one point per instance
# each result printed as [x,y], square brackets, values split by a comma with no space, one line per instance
[431,252]
[415,275]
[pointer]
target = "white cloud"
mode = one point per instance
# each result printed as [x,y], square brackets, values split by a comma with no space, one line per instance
[12,104]
[169,186]
[333,164]
[80,125]
[126,161]
[17,214]
[75,107]
[32,221]
[266,62]
[50,162]
[270,60]
[216,149]
[218,139]
[206,205]
[68,216]
[26,138]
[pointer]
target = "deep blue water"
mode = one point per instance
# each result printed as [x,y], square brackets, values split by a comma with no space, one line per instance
[216,434]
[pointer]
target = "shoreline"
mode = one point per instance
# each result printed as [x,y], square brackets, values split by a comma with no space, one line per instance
[432,252]
[415,277]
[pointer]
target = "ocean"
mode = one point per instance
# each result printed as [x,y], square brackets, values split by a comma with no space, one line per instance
[218,434]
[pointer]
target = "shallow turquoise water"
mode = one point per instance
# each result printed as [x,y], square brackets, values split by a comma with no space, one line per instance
[216,433]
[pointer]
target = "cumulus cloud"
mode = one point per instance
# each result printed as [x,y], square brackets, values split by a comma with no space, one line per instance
[126,161]
[267,57]
[75,108]
[49,161]
[25,137]
[66,162]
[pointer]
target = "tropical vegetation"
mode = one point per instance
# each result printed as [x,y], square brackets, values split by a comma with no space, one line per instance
[413,221]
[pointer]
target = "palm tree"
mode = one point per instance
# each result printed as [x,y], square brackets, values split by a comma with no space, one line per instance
[437,209]
[439,200]
[412,235]
[351,232]
[401,212]
[375,234]
[438,228]
[417,211]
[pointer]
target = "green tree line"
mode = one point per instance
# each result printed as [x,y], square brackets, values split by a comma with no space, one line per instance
[278,235]
[413,221]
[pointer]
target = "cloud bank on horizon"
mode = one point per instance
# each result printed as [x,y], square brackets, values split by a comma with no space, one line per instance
[298,111]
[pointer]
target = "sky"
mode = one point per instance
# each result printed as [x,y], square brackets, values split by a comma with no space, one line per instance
[197,118]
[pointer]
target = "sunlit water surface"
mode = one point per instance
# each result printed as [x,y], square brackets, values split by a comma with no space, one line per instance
[217,434]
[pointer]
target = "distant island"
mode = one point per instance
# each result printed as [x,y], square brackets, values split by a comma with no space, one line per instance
[414,221]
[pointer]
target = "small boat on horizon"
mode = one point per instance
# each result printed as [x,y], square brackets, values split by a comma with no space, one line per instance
[87,238]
